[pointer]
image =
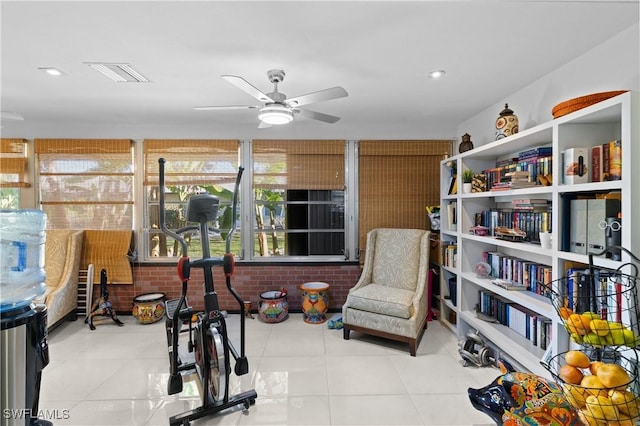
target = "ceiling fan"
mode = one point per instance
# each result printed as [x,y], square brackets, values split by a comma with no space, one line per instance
[10,116]
[277,108]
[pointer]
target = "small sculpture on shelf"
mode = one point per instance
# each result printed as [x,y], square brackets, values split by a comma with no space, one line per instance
[466,143]
[507,123]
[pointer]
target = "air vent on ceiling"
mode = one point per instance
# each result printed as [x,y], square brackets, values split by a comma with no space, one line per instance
[120,73]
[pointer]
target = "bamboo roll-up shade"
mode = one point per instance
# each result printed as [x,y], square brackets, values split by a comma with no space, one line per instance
[13,147]
[299,164]
[13,163]
[191,162]
[80,146]
[397,180]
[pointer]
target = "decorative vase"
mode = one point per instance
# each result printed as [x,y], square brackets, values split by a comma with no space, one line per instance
[315,302]
[273,306]
[507,123]
[466,143]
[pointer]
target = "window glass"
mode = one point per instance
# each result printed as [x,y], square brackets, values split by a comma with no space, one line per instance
[299,198]
[191,167]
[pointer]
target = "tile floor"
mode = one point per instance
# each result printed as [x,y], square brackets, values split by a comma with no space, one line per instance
[303,374]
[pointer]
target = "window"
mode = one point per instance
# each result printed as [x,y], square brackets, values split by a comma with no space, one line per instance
[397,180]
[191,167]
[13,165]
[86,184]
[299,198]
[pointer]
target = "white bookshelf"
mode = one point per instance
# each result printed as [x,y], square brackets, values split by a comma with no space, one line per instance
[615,118]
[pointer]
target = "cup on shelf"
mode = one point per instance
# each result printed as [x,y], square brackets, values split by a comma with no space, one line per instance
[545,240]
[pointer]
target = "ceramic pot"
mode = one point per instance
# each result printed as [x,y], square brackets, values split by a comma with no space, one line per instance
[149,308]
[507,123]
[315,302]
[273,306]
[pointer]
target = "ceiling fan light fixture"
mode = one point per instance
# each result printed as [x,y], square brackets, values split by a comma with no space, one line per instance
[275,114]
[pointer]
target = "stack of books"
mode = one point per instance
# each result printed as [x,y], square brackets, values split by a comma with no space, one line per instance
[514,180]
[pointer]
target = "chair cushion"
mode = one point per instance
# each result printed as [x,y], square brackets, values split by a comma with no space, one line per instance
[382,299]
[397,258]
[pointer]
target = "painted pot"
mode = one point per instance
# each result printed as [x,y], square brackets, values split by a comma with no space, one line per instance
[273,306]
[506,124]
[315,302]
[149,308]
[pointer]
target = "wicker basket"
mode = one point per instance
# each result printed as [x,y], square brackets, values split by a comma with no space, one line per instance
[594,403]
[566,107]
[604,315]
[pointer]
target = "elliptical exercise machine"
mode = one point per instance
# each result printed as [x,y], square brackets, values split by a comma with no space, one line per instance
[208,337]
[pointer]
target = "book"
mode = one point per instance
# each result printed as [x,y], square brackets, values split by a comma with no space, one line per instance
[453,185]
[615,159]
[596,164]
[509,285]
[534,153]
[605,163]
[576,165]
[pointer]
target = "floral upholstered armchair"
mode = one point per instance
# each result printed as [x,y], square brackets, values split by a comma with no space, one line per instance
[390,299]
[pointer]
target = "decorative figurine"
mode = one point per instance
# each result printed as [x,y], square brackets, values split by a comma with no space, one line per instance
[102,306]
[466,143]
[515,398]
[507,123]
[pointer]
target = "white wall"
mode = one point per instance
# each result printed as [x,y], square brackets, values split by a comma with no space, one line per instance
[612,65]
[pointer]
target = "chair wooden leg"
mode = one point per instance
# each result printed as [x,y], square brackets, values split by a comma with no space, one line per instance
[346,333]
[412,347]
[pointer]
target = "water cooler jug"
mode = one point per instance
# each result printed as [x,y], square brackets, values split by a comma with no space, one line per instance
[23,340]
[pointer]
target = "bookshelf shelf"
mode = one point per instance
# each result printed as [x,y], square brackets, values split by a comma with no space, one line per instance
[615,118]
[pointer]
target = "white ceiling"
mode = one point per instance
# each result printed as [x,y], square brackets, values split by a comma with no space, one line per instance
[380,52]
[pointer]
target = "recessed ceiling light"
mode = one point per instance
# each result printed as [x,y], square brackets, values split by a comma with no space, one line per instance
[51,71]
[120,73]
[437,74]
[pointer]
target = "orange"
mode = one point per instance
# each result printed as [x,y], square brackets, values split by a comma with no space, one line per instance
[577,359]
[570,374]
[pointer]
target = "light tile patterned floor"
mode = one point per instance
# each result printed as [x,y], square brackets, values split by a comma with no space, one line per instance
[303,374]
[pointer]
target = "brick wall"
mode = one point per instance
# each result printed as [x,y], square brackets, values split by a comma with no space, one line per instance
[249,280]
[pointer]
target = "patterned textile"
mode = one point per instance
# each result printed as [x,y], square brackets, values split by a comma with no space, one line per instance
[397,258]
[63,250]
[381,299]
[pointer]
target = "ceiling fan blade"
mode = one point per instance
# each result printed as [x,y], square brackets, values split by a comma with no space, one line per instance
[207,108]
[314,115]
[321,95]
[10,116]
[244,85]
[263,125]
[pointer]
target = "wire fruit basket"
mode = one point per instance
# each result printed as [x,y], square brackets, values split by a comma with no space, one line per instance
[602,386]
[599,307]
